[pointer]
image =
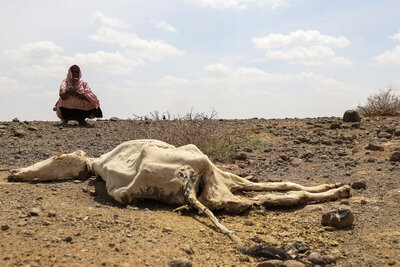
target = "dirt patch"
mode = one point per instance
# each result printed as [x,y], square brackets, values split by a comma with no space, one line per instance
[78,224]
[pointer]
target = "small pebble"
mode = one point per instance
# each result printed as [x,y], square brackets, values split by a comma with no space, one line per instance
[34,212]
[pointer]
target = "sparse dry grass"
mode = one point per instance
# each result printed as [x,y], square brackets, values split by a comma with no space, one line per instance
[199,129]
[384,103]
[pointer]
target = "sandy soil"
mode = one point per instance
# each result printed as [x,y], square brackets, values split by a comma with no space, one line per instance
[78,224]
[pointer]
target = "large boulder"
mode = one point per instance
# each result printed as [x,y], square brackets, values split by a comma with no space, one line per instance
[351,116]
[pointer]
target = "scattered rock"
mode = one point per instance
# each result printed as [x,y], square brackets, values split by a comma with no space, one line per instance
[256,239]
[351,116]
[335,125]
[300,247]
[326,142]
[264,251]
[34,212]
[51,214]
[284,157]
[31,128]
[375,147]
[15,120]
[339,218]
[46,223]
[271,263]
[316,258]
[395,156]
[166,230]
[241,156]
[359,185]
[68,239]
[396,132]
[188,249]
[28,232]
[295,162]
[303,139]
[306,155]
[293,263]
[329,259]
[180,262]
[344,202]
[5,227]
[356,150]
[55,239]
[114,119]
[385,135]
[19,132]
[243,258]
[22,223]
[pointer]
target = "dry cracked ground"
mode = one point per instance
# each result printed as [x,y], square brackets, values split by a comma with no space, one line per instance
[75,223]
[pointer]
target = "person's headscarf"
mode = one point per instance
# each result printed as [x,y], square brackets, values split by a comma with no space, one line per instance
[81,87]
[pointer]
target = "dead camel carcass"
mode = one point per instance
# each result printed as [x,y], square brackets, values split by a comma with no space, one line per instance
[151,169]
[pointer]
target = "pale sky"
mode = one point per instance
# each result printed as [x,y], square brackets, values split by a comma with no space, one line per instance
[243,58]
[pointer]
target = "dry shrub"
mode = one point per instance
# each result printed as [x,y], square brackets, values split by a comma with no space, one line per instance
[199,129]
[384,103]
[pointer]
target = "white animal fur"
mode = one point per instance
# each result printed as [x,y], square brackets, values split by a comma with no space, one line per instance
[151,169]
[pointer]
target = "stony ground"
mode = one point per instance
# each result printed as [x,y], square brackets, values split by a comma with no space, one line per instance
[75,223]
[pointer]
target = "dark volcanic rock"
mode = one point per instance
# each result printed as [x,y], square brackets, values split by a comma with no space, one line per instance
[351,116]
[340,218]
[316,258]
[395,156]
[300,247]
[375,147]
[241,156]
[384,135]
[335,125]
[180,262]
[359,185]
[264,251]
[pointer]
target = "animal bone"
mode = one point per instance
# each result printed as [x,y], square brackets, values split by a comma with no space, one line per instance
[152,169]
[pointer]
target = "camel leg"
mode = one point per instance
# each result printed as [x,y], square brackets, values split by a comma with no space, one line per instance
[301,197]
[186,174]
[289,186]
[239,183]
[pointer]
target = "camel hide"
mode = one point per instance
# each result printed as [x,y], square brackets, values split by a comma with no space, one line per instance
[151,169]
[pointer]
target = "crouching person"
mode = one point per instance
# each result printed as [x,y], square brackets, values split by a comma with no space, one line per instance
[77,101]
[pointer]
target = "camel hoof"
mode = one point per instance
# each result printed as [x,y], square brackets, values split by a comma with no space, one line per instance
[345,192]
[11,178]
[337,185]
